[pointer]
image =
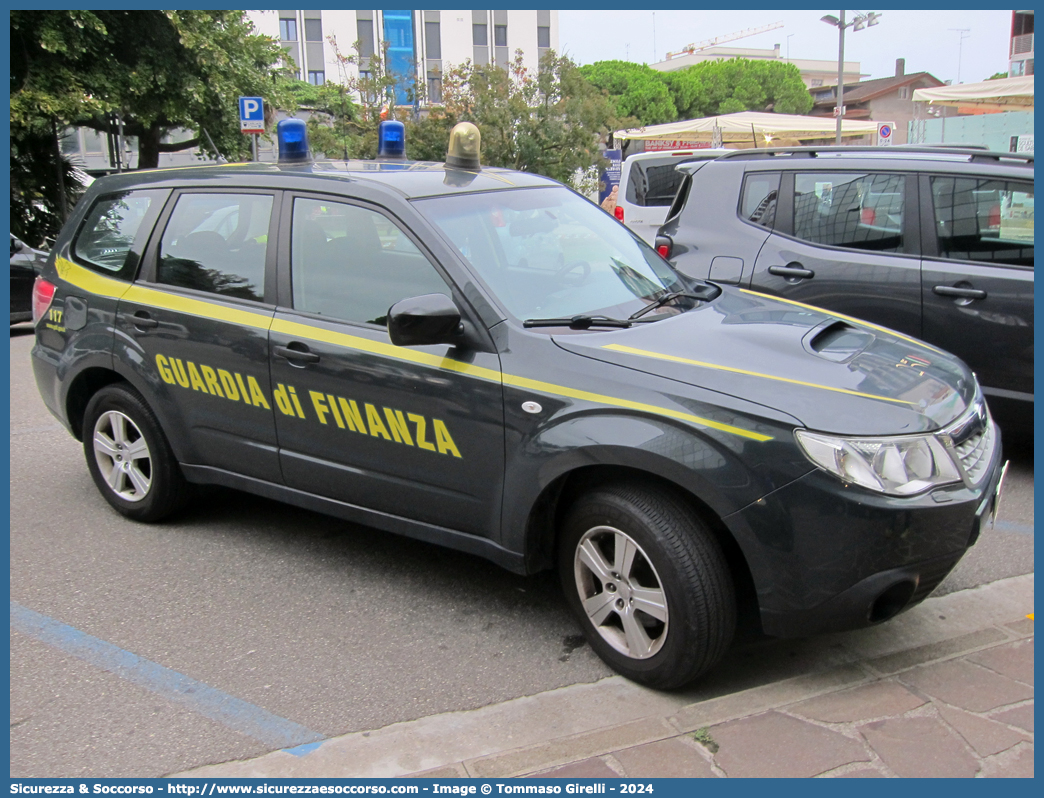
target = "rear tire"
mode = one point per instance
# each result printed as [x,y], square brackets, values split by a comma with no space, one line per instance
[129,457]
[648,583]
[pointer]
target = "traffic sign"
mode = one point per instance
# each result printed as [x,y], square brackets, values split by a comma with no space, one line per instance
[884,134]
[251,115]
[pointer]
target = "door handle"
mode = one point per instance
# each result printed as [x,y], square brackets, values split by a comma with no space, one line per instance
[791,272]
[142,320]
[301,355]
[959,293]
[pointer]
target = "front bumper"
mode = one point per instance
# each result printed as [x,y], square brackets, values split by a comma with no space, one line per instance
[827,557]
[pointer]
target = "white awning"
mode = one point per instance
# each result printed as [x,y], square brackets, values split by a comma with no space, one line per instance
[1003,94]
[748,126]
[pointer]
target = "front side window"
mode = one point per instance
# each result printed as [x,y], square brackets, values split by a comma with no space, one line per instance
[550,253]
[857,211]
[217,243]
[288,30]
[759,198]
[105,239]
[985,220]
[353,264]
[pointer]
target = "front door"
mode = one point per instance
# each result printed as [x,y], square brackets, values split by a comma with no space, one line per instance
[415,432]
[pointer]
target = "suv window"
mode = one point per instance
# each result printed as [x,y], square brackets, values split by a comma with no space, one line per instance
[108,232]
[857,211]
[652,184]
[759,198]
[981,219]
[351,263]
[217,243]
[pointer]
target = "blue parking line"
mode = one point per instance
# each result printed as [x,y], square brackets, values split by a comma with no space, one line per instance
[1011,526]
[238,715]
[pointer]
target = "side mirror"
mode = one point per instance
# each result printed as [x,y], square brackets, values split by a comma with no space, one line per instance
[424,320]
[16,245]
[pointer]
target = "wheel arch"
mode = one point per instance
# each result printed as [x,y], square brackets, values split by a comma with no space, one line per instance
[83,386]
[544,524]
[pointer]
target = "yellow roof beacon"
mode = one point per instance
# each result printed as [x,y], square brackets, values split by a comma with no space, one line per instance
[465,144]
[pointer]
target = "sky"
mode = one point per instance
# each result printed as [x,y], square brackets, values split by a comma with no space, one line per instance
[930,41]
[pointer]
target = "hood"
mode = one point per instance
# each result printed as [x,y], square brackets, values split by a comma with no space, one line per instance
[833,373]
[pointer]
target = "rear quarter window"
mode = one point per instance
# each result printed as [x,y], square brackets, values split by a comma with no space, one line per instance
[106,239]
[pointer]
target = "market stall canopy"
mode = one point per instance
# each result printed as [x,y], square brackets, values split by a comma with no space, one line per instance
[1003,94]
[742,127]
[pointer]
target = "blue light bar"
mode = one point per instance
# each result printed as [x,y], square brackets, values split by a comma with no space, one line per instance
[293,141]
[391,140]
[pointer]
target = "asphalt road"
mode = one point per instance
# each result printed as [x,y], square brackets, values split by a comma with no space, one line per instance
[267,617]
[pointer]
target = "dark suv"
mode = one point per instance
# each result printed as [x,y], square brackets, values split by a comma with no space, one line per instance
[934,243]
[484,359]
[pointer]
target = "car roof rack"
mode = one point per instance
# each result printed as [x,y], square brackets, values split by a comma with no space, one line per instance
[926,152]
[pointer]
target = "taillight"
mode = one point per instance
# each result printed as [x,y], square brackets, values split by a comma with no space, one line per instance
[618,212]
[869,215]
[43,294]
[664,245]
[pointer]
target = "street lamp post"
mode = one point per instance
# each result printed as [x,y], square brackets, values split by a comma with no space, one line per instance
[861,21]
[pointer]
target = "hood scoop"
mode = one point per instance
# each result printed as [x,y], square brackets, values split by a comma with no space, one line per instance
[837,341]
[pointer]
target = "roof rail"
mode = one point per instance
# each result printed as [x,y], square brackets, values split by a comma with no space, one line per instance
[971,155]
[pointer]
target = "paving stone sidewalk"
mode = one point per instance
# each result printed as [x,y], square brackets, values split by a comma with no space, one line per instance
[965,716]
[945,690]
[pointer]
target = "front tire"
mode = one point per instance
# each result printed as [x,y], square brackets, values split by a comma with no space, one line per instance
[648,583]
[129,457]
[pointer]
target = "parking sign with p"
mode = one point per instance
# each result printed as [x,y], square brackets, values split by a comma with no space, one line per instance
[251,115]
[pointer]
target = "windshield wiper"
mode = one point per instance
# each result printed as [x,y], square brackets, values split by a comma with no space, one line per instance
[578,322]
[706,293]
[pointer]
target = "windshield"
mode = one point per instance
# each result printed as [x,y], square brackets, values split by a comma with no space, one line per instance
[548,252]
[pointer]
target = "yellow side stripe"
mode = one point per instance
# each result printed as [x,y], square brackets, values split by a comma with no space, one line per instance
[860,322]
[423,358]
[674,359]
[105,286]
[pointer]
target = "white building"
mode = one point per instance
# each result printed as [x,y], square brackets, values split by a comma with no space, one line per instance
[422,45]
[814,72]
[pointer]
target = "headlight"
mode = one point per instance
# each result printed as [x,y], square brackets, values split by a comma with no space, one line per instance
[896,466]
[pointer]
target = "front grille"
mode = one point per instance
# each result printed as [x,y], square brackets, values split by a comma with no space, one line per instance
[972,439]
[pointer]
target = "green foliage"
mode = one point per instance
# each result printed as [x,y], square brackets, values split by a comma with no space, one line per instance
[636,89]
[997,76]
[706,89]
[738,84]
[35,203]
[704,738]
[549,123]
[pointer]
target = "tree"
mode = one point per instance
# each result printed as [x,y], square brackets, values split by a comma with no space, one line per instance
[161,70]
[738,84]
[636,90]
[549,123]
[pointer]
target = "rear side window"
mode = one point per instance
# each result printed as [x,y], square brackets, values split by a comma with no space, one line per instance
[985,220]
[107,235]
[680,197]
[759,199]
[857,211]
[217,243]
[653,184]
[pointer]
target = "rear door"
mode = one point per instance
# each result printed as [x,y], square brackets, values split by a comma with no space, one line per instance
[846,241]
[414,432]
[195,324]
[977,277]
